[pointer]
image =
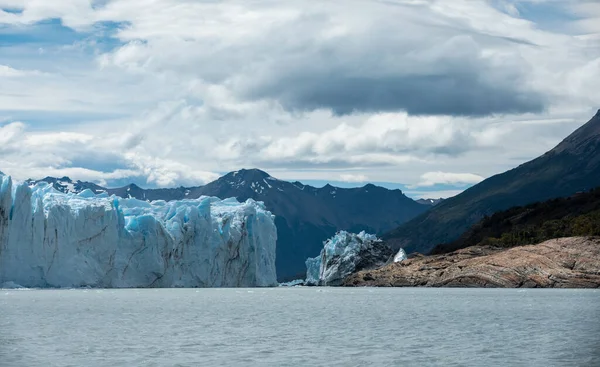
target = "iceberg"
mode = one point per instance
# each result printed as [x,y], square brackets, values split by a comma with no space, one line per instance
[52,239]
[344,254]
[293,283]
[400,256]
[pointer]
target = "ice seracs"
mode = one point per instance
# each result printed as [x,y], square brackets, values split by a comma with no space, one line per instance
[344,254]
[53,239]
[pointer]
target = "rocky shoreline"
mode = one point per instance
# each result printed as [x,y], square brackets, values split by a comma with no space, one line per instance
[560,263]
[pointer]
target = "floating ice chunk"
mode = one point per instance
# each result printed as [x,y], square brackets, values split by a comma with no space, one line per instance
[400,256]
[292,283]
[11,285]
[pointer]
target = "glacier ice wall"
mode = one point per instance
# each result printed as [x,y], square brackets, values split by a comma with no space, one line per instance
[51,239]
[344,254]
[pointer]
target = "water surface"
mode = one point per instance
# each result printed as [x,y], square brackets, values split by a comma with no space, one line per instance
[300,327]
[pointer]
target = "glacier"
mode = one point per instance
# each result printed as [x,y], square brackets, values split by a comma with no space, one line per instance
[53,239]
[344,254]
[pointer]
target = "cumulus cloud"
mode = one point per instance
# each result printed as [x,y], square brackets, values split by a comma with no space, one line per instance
[347,177]
[26,154]
[386,90]
[309,56]
[6,71]
[447,178]
[383,140]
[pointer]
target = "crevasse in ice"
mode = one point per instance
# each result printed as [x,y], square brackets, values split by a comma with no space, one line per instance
[51,239]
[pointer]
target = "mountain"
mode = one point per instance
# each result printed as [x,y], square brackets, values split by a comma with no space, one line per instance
[66,185]
[572,166]
[430,202]
[306,216]
[573,216]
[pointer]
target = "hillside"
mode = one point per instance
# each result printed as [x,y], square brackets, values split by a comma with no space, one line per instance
[572,166]
[578,215]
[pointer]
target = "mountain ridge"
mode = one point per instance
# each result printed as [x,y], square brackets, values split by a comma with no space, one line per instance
[572,166]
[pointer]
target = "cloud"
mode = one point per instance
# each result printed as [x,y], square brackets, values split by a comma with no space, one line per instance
[57,138]
[353,178]
[82,156]
[9,133]
[383,139]
[327,57]
[447,178]
[175,92]
[7,71]
[448,78]
[433,194]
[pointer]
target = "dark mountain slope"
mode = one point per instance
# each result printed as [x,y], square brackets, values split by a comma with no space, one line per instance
[571,167]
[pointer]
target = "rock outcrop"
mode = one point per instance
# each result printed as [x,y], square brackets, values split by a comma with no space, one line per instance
[560,263]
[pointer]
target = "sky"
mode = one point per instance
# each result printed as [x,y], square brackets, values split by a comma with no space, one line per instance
[429,96]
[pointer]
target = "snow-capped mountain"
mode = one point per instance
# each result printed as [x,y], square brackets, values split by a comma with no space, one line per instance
[67,186]
[305,215]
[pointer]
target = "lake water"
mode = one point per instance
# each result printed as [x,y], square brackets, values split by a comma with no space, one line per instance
[300,327]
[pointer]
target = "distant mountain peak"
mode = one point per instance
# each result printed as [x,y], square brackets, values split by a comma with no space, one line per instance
[246,176]
[251,172]
[251,179]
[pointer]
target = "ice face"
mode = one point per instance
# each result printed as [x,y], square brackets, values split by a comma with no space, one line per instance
[344,254]
[313,270]
[400,256]
[51,239]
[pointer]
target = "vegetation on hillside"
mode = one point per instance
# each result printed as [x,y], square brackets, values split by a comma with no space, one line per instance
[578,215]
